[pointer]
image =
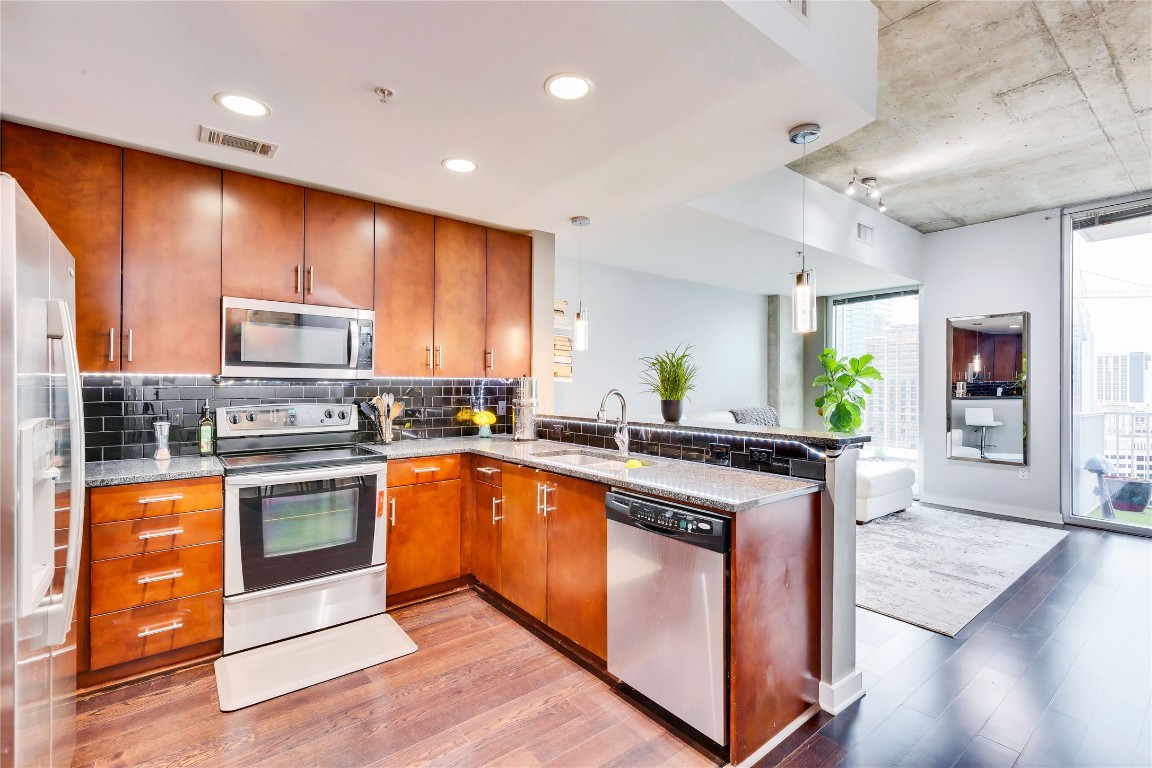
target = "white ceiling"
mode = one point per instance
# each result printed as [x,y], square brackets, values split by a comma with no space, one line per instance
[690,99]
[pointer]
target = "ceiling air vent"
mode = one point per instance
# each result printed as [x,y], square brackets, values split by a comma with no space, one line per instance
[242,143]
[865,233]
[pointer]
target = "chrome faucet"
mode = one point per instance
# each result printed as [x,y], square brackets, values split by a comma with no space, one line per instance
[621,436]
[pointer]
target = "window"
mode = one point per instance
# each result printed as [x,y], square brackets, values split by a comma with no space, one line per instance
[886,326]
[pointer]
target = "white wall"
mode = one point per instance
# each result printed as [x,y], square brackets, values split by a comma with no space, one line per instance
[634,314]
[1010,265]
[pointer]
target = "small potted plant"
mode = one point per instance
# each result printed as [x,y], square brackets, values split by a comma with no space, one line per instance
[671,375]
[484,420]
[842,404]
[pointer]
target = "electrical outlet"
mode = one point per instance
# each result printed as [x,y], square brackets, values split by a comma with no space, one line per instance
[175,416]
[759,455]
[718,453]
[1023,473]
[501,407]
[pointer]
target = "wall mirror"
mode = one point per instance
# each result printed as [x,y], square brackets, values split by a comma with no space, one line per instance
[988,388]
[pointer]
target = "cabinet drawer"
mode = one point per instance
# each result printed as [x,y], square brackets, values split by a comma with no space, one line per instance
[169,497]
[133,634]
[428,470]
[488,471]
[125,582]
[154,534]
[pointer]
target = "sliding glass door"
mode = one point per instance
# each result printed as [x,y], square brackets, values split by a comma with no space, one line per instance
[886,326]
[1108,367]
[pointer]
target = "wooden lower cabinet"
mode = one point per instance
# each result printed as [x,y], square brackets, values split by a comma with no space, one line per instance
[524,541]
[486,534]
[138,632]
[423,535]
[578,562]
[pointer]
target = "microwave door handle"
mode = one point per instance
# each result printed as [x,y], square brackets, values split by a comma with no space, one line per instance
[353,337]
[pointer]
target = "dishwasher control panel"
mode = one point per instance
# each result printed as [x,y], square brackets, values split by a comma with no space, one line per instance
[694,527]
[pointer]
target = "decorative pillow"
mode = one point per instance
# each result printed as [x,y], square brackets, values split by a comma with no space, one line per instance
[764,416]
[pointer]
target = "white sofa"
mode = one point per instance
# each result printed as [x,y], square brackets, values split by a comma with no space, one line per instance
[882,489]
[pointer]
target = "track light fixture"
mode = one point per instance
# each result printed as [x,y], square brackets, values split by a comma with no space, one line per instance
[869,186]
[851,190]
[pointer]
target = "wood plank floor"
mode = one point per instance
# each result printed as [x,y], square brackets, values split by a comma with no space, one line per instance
[1057,671]
[482,690]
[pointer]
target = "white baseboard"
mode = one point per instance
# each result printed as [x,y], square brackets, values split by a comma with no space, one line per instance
[835,698]
[1024,513]
[778,739]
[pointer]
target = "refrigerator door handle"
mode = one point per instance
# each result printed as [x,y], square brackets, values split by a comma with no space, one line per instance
[60,327]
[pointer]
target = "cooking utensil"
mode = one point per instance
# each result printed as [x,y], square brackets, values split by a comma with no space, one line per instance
[369,410]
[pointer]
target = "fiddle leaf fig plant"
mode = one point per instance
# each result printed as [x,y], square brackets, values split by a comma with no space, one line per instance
[842,404]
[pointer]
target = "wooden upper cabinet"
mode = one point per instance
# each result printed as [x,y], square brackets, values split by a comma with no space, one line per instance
[405,285]
[172,224]
[262,245]
[509,305]
[460,298]
[578,562]
[338,250]
[524,541]
[76,184]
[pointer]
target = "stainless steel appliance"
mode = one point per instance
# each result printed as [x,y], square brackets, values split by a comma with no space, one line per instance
[304,529]
[278,339]
[41,486]
[524,409]
[667,589]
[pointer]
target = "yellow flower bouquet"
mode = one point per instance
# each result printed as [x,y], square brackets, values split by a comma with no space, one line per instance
[484,420]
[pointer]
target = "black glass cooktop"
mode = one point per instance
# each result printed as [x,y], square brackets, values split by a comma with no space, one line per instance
[297,459]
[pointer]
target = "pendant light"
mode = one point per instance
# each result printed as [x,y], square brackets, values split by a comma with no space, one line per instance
[580,326]
[804,290]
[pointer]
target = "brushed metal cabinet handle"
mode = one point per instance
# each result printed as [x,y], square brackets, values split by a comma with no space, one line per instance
[111,345]
[157,630]
[298,269]
[439,356]
[392,507]
[161,534]
[129,345]
[422,470]
[158,499]
[496,501]
[428,349]
[488,470]
[491,359]
[547,508]
[311,277]
[170,576]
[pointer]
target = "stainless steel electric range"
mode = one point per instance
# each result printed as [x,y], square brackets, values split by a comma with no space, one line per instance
[304,528]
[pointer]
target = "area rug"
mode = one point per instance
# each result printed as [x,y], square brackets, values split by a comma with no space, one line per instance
[938,569]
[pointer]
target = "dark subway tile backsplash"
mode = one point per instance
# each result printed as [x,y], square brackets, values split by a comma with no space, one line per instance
[119,409]
[787,457]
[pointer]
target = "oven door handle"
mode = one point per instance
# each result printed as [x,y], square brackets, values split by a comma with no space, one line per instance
[304,476]
[309,584]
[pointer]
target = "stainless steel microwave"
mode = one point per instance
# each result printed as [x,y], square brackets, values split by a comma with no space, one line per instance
[279,339]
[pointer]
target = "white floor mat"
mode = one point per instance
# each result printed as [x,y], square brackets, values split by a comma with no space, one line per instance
[259,674]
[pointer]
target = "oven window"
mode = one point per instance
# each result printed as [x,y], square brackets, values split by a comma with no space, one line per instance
[292,532]
[301,524]
[278,343]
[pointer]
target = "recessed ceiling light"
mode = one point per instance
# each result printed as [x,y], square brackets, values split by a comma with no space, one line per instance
[568,86]
[459,164]
[243,105]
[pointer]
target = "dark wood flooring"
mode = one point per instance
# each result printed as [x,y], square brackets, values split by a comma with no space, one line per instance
[482,690]
[1057,671]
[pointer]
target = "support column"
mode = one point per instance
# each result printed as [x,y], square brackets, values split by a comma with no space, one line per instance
[841,683]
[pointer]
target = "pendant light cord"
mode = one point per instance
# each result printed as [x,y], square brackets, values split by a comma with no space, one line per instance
[580,268]
[803,210]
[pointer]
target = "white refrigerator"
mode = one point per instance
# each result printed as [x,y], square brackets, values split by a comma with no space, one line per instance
[41,487]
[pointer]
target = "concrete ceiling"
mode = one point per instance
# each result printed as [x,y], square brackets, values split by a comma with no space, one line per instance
[992,109]
[690,99]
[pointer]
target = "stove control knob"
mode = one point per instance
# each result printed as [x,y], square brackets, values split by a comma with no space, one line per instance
[328,413]
[343,415]
[251,416]
[234,418]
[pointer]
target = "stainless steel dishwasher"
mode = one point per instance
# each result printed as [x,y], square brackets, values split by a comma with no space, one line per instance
[667,584]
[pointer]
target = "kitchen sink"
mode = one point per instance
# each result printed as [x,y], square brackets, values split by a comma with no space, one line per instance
[585,460]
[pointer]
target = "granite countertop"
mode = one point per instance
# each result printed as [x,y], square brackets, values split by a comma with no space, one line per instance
[99,473]
[722,488]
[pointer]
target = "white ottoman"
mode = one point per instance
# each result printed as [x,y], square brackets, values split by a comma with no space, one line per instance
[882,489]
